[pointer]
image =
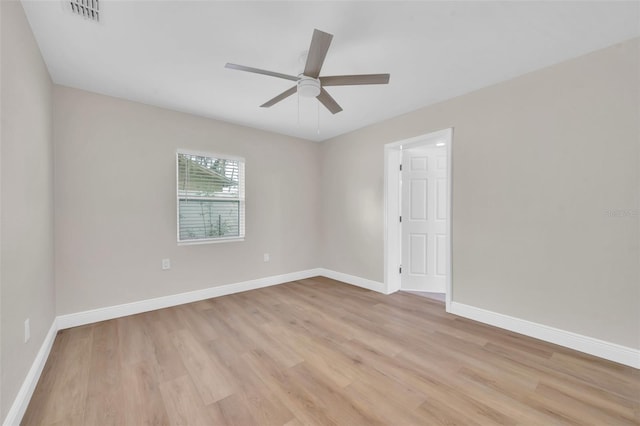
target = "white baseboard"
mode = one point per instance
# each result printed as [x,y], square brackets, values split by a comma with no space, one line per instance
[110,312]
[21,402]
[353,280]
[600,348]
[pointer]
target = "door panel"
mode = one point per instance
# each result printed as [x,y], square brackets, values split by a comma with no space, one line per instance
[441,255]
[418,199]
[418,254]
[441,199]
[424,213]
[419,162]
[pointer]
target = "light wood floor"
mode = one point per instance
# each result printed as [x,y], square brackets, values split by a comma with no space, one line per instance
[320,352]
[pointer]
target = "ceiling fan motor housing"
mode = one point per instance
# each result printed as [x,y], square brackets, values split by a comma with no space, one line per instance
[308,87]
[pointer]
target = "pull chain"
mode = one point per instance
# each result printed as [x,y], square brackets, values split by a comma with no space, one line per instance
[318,120]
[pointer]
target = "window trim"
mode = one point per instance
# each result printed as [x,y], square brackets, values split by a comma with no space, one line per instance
[241,198]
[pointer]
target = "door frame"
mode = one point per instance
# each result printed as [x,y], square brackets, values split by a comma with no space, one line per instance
[392,207]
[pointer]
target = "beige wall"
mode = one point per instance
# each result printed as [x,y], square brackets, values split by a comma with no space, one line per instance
[115,208]
[537,161]
[26,277]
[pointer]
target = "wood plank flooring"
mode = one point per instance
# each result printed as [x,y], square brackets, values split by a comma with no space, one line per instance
[320,352]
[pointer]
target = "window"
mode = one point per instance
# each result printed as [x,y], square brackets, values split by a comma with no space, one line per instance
[210,197]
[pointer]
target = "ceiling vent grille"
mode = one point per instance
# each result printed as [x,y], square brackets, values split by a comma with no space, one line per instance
[89,9]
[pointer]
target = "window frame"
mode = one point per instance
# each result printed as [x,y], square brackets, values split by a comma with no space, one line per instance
[241,197]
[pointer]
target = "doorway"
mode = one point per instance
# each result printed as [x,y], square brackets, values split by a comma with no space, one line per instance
[418,214]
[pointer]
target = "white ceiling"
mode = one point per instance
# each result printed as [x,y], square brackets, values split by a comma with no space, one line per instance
[172,53]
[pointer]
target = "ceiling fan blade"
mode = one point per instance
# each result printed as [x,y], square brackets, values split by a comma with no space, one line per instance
[348,80]
[280,97]
[329,102]
[259,71]
[317,52]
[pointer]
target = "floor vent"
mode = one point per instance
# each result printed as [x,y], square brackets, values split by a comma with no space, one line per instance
[88,9]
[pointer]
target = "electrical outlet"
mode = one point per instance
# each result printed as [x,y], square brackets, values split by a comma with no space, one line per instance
[266,257]
[27,330]
[166,264]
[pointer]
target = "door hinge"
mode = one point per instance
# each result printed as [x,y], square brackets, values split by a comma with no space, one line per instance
[400,218]
[400,167]
[400,269]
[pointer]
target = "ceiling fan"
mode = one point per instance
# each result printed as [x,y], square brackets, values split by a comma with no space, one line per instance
[309,83]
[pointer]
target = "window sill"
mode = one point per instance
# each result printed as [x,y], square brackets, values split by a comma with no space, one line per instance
[210,241]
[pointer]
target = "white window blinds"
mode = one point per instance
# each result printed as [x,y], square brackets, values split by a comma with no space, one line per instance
[210,197]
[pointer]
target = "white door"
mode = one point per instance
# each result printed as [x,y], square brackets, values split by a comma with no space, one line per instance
[424,219]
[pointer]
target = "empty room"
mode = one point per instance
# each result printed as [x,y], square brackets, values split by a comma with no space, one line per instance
[319,213]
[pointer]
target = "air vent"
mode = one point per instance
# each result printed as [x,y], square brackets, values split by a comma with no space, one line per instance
[89,9]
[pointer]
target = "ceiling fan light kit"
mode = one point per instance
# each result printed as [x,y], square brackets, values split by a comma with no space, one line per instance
[309,84]
[308,87]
